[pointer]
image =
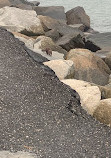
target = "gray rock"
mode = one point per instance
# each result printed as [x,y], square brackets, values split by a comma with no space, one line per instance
[36,56]
[22,4]
[39,46]
[102,54]
[18,20]
[29,41]
[4,3]
[78,16]
[78,26]
[91,45]
[43,42]
[108,60]
[35,3]
[105,91]
[64,69]
[106,56]
[71,41]
[89,67]
[53,34]
[89,95]
[55,12]
[64,29]
[49,23]
[65,36]
[54,54]
[101,40]
[92,31]
[103,111]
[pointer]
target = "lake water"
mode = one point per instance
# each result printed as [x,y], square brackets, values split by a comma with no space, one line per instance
[98,10]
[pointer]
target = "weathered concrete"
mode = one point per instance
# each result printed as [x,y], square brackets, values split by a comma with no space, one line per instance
[34,116]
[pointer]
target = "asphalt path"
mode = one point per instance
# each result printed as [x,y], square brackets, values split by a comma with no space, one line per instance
[41,115]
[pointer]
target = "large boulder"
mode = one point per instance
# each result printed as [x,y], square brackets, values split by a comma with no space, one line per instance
[105,55]
[66,36]
[110,79]
[91,31]
[103,111]
[102,54]
[49,23]
[71,41]
[23,4]
[108,60]
[89,67]
[64,29]
[55,12]
[35,3]
[54,56]
[63,68]
[100,40]
[53,34]
[78,26]
[29,41]
[18,20]
[109,84]
[89,95]
[105,92]
[4,3]
[37,53]
[78,16]
[91,45]
[43,42]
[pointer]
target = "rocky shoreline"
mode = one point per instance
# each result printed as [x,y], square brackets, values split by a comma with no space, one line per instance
[63,45]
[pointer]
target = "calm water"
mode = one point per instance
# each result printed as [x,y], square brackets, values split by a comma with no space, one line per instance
[98,10]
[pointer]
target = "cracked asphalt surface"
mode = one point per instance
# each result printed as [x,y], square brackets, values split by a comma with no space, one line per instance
[35,110]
